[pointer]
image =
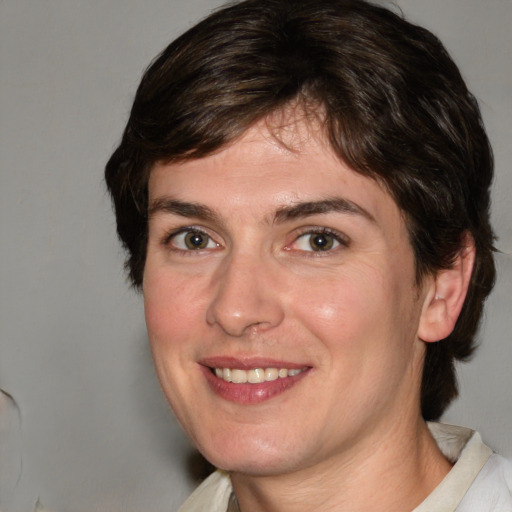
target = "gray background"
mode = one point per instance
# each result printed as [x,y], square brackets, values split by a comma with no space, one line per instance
[90,431]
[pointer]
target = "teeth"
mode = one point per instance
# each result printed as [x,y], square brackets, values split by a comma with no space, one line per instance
[238,376]
[271,374]
[256,375]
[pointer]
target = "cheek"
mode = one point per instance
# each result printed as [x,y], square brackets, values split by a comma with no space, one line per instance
[345,303]
[172,321]
[172,308]
[358,317]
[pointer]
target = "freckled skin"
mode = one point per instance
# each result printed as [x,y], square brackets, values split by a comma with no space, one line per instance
[351,313]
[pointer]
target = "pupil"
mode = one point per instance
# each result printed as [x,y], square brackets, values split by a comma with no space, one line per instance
[321,242]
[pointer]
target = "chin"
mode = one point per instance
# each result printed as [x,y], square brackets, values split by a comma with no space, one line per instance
[257,465]
[252,455]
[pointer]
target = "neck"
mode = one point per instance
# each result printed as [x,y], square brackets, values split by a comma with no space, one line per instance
[394,471]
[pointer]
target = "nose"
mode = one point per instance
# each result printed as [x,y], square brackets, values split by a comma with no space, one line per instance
[246,296]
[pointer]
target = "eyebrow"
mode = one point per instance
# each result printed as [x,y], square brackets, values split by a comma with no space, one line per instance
[182,208]
[286,213]
[330,205]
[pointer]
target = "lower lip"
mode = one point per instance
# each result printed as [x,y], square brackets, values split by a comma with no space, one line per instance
[250,394]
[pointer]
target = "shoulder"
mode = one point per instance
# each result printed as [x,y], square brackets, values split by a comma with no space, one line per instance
[479,481]
[211,496]
[491,489]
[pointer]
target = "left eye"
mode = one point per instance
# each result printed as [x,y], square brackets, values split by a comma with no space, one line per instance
[192,240]
[319,242]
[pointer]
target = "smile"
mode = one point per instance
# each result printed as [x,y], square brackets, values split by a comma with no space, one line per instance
[255,375]
[251,381]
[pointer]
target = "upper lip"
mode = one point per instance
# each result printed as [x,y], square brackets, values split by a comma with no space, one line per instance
[248,363]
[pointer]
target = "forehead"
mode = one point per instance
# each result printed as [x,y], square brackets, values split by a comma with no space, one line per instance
[278,161]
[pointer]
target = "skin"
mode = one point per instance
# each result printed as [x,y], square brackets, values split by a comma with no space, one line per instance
[347,434]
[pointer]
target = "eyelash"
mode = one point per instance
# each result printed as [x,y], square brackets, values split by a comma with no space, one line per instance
[338,237]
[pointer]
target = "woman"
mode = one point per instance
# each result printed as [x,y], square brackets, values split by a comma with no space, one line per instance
[303,191]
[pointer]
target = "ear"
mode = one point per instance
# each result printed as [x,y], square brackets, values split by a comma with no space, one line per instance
[446,293]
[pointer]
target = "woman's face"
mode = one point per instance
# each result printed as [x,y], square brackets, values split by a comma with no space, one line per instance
[274,263]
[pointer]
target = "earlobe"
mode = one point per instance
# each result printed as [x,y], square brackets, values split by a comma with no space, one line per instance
[446,294]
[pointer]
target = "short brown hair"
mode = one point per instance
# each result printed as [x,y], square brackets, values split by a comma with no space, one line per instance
[394,106]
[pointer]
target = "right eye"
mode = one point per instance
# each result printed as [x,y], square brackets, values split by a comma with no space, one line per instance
[192,240]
